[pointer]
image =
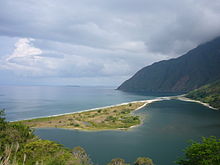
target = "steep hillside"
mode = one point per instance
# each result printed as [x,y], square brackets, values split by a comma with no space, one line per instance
[208,94]
[198,67]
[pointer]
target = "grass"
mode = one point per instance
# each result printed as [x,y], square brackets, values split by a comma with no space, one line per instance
[115,117]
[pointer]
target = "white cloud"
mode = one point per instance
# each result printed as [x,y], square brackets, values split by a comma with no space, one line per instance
[23,48]
[25,59]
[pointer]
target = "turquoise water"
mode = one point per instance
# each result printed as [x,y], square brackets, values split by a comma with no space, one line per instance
[167,127]
[164,134]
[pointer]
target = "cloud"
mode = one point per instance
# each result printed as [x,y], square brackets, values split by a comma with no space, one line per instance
[25,59]
[91,39]
[24,49]
[67,60]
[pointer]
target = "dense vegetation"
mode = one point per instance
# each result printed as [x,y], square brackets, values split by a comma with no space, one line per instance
[115,117]
[208,94]
[18,145]
[206,152]
[196,68]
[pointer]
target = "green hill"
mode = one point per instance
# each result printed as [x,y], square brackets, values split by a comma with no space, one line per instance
[196,68]
[208,94]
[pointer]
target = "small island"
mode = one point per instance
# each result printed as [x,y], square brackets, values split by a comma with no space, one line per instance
[109,118]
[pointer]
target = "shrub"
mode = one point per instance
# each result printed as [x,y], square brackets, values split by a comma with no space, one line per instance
[206,152]
[117,161]
[143,161]
[81,155]
[46,152]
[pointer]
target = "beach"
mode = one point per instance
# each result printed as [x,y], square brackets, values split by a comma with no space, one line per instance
[113,117]
[182,98]
[106,118]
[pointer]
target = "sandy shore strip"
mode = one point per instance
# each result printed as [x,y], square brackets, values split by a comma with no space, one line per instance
[149,101]
[94,109]
[119,116]
[183,98]
[113,117]
[87,110]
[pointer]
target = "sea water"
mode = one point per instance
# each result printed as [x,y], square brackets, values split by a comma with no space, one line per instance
[167,127]
[24,102]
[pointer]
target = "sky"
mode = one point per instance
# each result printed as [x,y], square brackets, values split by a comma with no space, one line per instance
[97,42]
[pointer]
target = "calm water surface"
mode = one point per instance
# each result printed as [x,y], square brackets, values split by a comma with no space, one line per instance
[22,102]
[167,127]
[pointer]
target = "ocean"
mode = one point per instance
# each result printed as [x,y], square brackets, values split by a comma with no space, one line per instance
[165,132]
[24,102]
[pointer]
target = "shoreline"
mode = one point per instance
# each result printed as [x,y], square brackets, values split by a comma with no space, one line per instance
[94,110]
[183,98]
[114,117]
[116,129]
[80,111]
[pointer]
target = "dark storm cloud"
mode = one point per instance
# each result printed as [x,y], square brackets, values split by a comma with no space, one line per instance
[161,24]
[96,38]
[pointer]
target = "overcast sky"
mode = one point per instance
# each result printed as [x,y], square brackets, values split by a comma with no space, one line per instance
[97,42]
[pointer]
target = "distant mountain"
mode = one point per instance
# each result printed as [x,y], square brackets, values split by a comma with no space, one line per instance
[208,94]
[198,67]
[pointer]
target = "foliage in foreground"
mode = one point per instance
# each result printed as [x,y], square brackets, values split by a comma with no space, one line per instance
[206,152]
[139,161]
[143,161]
[19,146]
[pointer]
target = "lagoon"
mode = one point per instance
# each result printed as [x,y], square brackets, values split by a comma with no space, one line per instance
[163,135]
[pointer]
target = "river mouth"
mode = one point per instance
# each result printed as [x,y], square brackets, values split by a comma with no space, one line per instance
[167,128]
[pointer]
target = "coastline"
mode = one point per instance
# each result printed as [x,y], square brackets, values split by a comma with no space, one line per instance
[149,101]
[81,111]
[116,129]
[183,98]
[95,110]
[114,117]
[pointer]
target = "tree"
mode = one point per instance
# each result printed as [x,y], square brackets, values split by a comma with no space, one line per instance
[45,152]
[81,155]
[143,161]
[18,145]
[206,152]
[3,135]
[117,161]
[2,120]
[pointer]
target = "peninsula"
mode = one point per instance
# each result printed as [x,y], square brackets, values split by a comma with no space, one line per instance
[114,117]
[108,118]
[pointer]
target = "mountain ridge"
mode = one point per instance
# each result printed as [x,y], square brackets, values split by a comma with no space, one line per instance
[192,70]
